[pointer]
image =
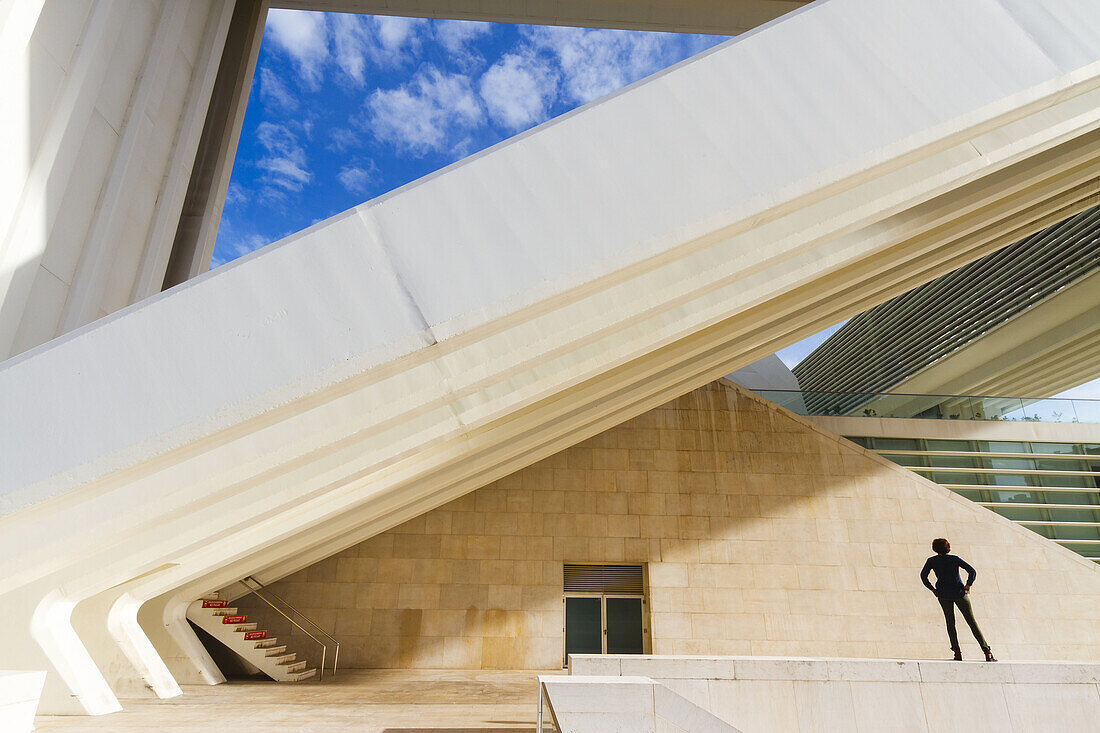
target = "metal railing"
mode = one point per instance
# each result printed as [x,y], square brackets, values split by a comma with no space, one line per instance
[935,407]
[324,647]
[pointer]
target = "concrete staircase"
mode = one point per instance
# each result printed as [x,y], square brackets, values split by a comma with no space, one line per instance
[217,618]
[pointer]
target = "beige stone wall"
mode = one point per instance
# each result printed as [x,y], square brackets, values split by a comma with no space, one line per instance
[763,535]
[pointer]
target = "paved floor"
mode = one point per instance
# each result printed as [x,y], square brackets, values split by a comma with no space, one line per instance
[375,701]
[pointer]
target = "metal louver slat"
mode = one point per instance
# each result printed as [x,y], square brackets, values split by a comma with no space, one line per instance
[611,579]
[887,344]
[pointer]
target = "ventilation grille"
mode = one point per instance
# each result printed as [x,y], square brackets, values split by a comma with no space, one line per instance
[614,579]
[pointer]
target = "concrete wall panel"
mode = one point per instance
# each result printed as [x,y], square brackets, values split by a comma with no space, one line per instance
[762,536]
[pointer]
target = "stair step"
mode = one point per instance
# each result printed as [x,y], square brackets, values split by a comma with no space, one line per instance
[305,675]
[255,635]
[265,643]
[237,619]
[272,651]
[250,626]
[297,666]
[226,611]
[283,658]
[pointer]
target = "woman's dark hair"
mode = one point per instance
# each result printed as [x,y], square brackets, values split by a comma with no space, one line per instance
[940,546]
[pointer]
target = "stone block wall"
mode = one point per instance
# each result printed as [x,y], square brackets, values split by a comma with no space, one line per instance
[762,535]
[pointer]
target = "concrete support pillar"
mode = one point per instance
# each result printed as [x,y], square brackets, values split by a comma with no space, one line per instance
[107,623]
[164,621]
[38,635]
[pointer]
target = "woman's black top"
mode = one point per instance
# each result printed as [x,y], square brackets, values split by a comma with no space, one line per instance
[948,582]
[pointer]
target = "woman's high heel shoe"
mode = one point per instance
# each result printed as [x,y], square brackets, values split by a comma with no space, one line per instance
[989,656]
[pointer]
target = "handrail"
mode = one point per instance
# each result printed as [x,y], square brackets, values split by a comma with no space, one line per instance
[330,637]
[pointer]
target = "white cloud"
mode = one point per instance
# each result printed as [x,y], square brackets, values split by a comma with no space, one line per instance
[384,41]
[455,36]
[518,90]
[596,62]
[274,91]
[248,244]
[304,37]
[396,34]
[285,163]
[351,38]
[358,177]
[231,244]
[342,139]
[426,114]
[236,194]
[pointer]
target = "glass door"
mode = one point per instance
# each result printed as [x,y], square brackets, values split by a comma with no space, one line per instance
[583,626]
[623,625]
[603,624]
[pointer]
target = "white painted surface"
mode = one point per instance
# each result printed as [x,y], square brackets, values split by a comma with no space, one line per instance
[95,141]
[623,704]
[19,693]
[789,695]
[407,351]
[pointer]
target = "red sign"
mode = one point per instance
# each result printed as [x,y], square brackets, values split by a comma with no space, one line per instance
[250,635]
[233,619]
[215,604]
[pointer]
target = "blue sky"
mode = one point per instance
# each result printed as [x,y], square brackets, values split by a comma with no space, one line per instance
[344,108]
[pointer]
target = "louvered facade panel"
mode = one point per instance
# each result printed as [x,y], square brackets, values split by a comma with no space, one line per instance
[606,579]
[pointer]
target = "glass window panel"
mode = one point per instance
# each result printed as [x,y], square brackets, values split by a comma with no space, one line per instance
[1022,514]
[865,442]
[910,461]
[1073,482]
[1075,515]
[1042,529]
[624,625]
[1072,497]
[1050,410]
[1013,463]
[1025,497]
[958,445]
[954,478]
[1007,479]
[896,444]
[972,494]
[583,626]
[1086,410]
[955,461]
[1056,448]
[1058,464]
[1077,533]
[1004,446]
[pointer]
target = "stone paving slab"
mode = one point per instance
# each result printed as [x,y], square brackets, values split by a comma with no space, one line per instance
[367,701]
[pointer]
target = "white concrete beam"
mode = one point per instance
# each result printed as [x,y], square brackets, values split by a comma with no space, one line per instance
[411,349]
[724,17]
